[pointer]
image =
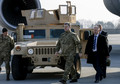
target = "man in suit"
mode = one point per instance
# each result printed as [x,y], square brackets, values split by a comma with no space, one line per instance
[97,52]
[104,34]
[110,48]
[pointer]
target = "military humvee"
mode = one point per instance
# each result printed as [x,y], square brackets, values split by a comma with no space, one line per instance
[36,41]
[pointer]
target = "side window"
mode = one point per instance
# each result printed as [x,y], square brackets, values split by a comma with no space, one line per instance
[32,15]
[63,9]
[73,10]
[40,13]
[37,14]
[55,33]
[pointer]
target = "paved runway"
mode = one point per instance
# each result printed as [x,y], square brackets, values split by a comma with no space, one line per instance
[43,76]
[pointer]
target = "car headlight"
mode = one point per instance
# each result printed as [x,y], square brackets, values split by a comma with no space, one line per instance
[30,51]
[18,48]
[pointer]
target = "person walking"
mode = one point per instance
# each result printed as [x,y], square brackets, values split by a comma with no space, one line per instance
[6,45]
[104,67]
[104,33]
[97,51]
[67,44]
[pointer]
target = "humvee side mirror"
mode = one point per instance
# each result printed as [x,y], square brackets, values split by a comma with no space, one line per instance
[84,34]
[14,36]
[87,34]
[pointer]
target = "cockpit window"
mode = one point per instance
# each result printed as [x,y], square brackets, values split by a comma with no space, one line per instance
[34,34]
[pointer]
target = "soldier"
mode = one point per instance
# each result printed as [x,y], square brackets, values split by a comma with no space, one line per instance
[6,45]
[67,44]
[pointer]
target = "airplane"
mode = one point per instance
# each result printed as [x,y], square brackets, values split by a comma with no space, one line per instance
[113,6]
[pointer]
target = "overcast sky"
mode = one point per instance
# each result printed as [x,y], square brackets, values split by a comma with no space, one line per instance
[86,9]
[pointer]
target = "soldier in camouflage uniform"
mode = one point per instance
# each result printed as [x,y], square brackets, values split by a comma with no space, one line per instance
[6,45]
[67,44]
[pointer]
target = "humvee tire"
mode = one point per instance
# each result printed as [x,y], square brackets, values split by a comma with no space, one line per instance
[19,71]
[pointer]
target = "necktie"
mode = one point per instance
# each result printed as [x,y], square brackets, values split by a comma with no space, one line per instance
[94,44]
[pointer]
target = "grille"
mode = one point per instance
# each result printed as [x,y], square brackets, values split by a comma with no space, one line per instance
[41,51]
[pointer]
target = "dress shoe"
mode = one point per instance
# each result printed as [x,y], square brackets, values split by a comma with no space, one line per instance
[101,77]
[0,69]
[104,76]
[8,78]
[96,81]
[73,80]
[63,81]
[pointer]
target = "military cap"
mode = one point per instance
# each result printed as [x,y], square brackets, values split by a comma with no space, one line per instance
[67,23]
[4,30]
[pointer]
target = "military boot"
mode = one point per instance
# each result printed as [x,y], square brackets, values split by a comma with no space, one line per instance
[63,81]
[73,80]
[8,77]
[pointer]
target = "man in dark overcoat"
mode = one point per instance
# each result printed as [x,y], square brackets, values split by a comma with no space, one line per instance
[97,52]
[104,33]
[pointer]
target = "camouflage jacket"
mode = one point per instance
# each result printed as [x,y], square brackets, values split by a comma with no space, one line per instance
[6,44]
[68,42]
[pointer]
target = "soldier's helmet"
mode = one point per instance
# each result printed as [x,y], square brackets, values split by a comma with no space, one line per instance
[4,30]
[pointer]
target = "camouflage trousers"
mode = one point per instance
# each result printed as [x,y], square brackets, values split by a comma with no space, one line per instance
[7,65]
[69,68]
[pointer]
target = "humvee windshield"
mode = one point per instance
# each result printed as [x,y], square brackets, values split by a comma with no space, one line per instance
[55,33]
[36,34]
[41,33]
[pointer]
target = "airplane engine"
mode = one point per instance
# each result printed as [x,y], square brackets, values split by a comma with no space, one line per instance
[113,6]
[10,11]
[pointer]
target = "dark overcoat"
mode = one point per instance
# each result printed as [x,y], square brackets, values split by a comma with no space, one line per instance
[102,49]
